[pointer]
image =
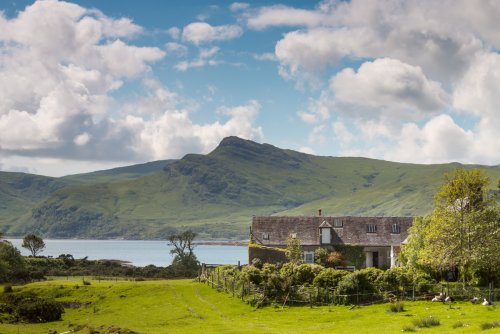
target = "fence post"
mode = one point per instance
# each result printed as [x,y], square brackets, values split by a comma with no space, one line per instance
[491,294]
[413,292]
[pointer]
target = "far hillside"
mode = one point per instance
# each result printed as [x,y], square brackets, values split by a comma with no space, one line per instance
[217,194]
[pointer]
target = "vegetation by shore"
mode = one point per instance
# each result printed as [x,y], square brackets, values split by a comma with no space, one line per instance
[184,306]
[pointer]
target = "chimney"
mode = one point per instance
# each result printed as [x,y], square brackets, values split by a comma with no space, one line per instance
[319,212]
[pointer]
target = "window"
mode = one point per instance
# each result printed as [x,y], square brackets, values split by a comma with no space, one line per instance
[293,235]
[395,229]
[338,223]
[265,236]
[371,228]
[326,235]
[309,257]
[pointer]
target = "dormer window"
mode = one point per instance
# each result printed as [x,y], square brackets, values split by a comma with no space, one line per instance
[395,229]
[265,236]
[293,235]
[338,222]
[371,228]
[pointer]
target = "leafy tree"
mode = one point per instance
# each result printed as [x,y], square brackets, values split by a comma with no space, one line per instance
[185,262]
[33,243]
[12,264]
[463,230]
[293,250]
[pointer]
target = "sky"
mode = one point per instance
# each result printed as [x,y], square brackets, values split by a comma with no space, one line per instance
[89,85]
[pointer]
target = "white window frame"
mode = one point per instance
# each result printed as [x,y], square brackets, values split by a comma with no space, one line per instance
[309,254]
[371,228]
[395,229]
[338,223]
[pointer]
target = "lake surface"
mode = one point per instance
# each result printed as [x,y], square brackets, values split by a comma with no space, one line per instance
[139,252]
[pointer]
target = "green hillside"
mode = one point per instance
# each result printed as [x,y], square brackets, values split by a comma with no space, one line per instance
[217,194]
[21,192]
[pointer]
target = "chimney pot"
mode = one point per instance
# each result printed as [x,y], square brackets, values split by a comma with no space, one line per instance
[319,212]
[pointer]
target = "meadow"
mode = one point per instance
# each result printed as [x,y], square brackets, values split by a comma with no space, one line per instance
[185,306]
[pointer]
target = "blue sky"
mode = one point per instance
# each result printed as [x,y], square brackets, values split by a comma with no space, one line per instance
[87,85]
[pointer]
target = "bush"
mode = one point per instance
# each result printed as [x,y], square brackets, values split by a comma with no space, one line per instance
[329,278]
[335,259]
[251,274]
[320,256]
[304,274]
[38,310]
[7,289]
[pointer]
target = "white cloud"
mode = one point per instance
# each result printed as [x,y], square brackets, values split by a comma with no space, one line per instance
[202,32]
[173,133]
[387,85]
[267,56]
[205,57]
[176,49]
[280,15]
[61,65]
[238,6]
[415,32]
[174,32]
[342,134]
[306,150]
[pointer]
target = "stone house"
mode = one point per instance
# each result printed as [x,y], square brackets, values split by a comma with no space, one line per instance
[380,237]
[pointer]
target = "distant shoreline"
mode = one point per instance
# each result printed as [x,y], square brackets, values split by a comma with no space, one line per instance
[196,242]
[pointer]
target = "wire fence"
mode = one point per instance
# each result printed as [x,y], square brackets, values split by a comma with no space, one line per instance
[258,295]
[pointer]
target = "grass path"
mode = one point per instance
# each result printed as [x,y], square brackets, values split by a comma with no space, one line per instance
[182,306]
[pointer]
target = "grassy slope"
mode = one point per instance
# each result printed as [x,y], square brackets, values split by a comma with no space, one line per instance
[182,306]
[216,194]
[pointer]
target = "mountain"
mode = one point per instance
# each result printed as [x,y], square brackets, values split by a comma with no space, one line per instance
[217,194]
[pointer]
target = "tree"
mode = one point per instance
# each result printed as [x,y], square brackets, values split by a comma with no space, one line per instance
[185,262]
[463,230]
[33,243]
[293,250]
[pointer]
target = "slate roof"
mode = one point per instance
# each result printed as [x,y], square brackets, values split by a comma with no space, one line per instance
[274,230]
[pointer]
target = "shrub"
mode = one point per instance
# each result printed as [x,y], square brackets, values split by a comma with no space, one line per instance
[7,288]
[429,321]
[304,274]
[335,259]
[252,274]
[320,256]
[396,307]
[329,278]
[84,282]
[257,263]
[38,310]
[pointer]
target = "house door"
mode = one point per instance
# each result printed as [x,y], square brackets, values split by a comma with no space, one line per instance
[375,259]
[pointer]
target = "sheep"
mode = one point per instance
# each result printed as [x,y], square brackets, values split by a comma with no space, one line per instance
[474,300]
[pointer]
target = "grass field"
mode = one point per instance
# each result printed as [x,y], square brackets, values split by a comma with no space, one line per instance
[183,306]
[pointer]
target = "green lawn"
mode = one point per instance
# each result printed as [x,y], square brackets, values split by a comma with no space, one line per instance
[183,306]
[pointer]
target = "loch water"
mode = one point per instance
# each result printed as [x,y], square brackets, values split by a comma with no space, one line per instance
[140,253]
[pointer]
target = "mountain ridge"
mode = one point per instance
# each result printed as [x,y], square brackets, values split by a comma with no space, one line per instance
[216,194]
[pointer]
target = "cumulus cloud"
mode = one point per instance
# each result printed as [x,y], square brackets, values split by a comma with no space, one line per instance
[61,65]
[387,84]
[421,72]
[415,32]
[202,32]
